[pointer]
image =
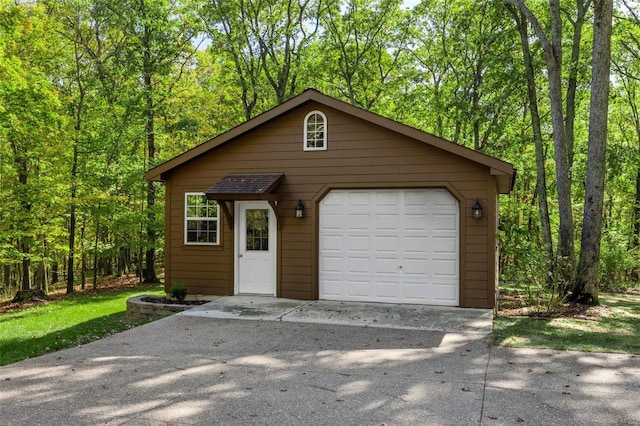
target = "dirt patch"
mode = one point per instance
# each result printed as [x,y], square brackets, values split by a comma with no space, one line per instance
[518,305]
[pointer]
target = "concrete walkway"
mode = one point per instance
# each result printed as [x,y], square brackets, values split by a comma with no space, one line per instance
[379,315]
[198,369]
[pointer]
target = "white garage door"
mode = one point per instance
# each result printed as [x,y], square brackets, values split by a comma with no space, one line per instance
[393,246]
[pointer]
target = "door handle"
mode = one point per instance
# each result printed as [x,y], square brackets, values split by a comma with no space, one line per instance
[240,255]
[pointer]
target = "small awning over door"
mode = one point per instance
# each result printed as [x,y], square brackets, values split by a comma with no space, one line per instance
[245,186]
[258,186]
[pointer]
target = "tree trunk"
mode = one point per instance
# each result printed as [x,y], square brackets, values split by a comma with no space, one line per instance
[54,272]
[95,254]
[83,266]
[72,222]
[553,57]
[150,255]
[572,82]
[586,285]
[635,274]
[541,174]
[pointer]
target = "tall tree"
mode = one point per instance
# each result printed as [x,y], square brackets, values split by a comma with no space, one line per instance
[541,174]
[626,64]
[552,45]
[228,25]
[364,42]
[29,123]
[284,29]
[588,277]
[161,49]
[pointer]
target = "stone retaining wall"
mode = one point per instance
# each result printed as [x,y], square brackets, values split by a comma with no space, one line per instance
[136,308]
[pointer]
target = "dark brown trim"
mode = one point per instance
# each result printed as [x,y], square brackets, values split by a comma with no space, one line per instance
[227,213]
[492,250]
[167,237]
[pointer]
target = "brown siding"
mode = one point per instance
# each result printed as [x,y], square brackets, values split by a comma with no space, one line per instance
[359,154]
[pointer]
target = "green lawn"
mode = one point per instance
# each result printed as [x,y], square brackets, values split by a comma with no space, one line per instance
[74,320]
[617,330]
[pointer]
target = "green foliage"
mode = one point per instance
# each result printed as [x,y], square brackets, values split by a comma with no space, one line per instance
[75,320]
[178,292]
[618,259]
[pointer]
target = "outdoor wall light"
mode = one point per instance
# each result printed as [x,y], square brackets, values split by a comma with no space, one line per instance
[476,210]
[299,209]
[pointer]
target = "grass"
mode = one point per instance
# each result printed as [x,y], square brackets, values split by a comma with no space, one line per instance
[74,320]
[615,329]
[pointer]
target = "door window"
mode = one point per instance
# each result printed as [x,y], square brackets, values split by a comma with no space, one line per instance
[257,221]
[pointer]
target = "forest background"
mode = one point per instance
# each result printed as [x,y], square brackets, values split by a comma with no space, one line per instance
[95,92]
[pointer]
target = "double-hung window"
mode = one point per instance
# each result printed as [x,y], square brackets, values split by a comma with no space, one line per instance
[315,131]
[202,219]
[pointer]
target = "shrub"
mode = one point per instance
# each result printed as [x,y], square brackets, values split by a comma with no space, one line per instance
[178,291]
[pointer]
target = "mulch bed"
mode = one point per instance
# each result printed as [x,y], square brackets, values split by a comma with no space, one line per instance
[519,305]
[165,301]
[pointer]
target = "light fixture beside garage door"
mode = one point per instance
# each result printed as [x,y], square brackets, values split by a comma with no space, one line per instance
[476,210]
[299,209]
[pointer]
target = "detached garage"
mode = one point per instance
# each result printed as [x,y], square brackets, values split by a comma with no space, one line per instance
[317,199]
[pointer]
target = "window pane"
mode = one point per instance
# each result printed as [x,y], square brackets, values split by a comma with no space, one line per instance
[257,229]
[201,217]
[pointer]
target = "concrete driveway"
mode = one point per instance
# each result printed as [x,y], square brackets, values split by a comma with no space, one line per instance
[197,368]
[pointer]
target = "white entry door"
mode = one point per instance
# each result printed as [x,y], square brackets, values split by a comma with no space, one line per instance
[393,246]
[255,248]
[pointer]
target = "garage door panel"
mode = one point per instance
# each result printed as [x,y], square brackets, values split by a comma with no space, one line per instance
[444,223]
[442,198]
[448,245]
[332,265]
[386,265]
[416,222]
[333,288]
[359,288]
[444,294]
[416,266]
[359,221]
[359,265]
[416,292]
[444,268]
[416,198]
[386,289]
[331,243]
[359,198]
[386,198]
[415,244]
[386,221]
[390,246]
[359,243]
[332,222]
[386,244]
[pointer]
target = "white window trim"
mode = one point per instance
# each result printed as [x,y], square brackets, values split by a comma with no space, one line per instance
[306,119]
[187,218]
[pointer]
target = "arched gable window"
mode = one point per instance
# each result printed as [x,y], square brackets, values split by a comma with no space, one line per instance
[315,131]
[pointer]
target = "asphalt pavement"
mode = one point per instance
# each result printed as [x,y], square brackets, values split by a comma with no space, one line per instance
[317,364]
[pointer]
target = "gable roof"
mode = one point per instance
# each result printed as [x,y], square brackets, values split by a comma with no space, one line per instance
[503,171]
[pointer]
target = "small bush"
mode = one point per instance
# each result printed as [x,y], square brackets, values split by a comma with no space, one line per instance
[178,291]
